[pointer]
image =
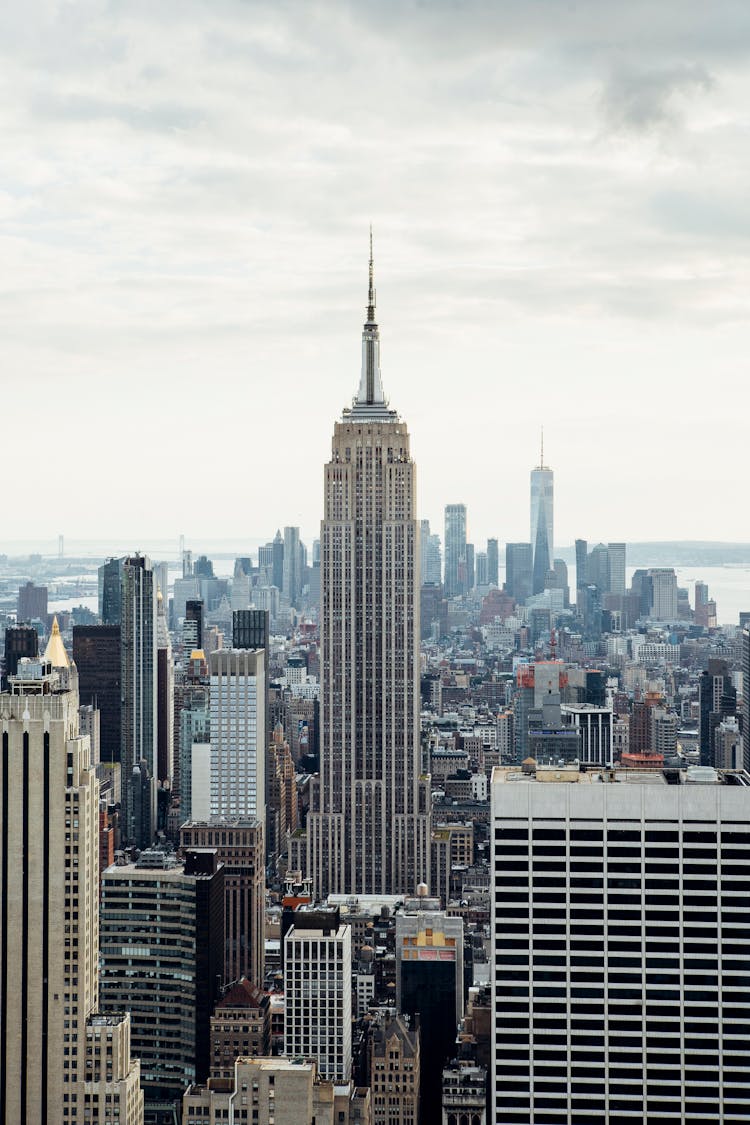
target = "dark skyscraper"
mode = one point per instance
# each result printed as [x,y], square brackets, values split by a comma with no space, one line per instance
[96,653]
[370,828]
[110,591]
[20,641]
[138,680]
[194,612]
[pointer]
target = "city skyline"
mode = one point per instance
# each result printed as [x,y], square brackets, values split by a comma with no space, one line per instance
[556,217]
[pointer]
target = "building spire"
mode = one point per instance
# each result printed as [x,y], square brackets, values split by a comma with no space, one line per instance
[541,455]
[370,398]
[371,289]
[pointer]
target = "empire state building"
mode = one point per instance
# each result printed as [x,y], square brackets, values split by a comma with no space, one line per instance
[369,829]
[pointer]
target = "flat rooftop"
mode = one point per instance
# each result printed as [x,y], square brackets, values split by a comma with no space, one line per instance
[565,774]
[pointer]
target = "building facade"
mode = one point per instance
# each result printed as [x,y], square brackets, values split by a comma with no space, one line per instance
[619,918]
[162,928]
[455,550]
[239,845]
[238,733]
[49,918]
[369,828]
[139,686]
[318,992]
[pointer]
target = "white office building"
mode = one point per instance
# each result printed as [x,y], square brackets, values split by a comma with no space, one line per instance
[620,916]
[318,992]
[238,733]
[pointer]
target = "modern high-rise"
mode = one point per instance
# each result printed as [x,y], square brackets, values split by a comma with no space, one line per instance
[542,520]
[161,958]
[493,563]
[49,918]
[519,561]
[429,549]
[318,992]
[663,593]
[369,830]
[238,732]
[617,569]
[139,684]
[619,923]
[110,591]
[455,550]
[292,584]
[164,697]
[96,652]
[278,561]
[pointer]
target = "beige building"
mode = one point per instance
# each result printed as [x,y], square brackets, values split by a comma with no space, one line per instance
[369,829]
[394,1073]
[49,923]
[275,1091]
[452,848]
[240,1027]
[240,847]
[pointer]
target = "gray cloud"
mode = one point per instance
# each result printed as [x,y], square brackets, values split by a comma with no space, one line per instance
[642,99]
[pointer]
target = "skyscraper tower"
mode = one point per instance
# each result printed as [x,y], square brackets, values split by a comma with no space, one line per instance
[369,831]
[49,915]
[455,550]
[542,513]
[139,684]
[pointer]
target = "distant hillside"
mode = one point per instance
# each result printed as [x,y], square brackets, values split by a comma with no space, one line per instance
[685,552]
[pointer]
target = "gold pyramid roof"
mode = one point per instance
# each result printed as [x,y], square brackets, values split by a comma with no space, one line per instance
[55,652]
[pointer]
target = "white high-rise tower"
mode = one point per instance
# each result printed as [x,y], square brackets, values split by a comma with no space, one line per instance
[542,520]
[369,831]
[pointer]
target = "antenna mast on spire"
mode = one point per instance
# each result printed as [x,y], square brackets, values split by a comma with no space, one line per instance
[541,456]
[371,289]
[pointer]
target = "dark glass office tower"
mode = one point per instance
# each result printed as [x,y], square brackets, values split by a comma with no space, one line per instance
[20,641]
[96,653]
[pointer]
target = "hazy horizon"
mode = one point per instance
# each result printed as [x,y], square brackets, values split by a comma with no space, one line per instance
[561,239]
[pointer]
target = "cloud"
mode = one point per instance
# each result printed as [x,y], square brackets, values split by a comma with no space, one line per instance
[636,99]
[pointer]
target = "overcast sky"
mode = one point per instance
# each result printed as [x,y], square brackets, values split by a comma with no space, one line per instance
[559,196]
